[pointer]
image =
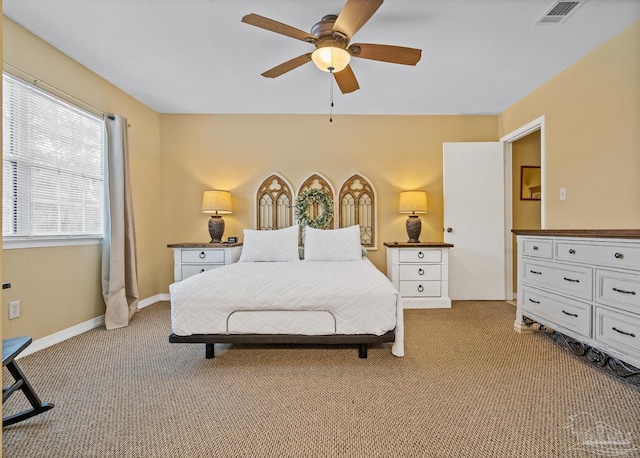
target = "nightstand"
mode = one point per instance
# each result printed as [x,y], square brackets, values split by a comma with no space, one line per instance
[193,258]
[420,271]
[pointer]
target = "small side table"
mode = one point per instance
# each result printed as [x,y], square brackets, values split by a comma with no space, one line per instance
[193,258]
[420,271]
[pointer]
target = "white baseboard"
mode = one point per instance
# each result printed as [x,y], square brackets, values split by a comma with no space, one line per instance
[153,299]
[78,329]
[60,336]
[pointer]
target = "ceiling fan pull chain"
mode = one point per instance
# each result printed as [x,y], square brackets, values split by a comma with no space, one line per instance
[331,94]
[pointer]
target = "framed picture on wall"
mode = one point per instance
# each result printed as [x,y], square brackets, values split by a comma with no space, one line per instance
[530,182]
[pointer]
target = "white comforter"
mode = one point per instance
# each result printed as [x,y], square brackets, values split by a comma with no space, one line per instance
[360,298]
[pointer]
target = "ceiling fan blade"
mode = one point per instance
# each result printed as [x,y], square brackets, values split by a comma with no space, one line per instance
[346,80]
[386,53]
[287,66]
[354,15]
[278,27]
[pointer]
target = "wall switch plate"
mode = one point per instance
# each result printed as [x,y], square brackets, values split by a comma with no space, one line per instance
[14,309]
[563,193]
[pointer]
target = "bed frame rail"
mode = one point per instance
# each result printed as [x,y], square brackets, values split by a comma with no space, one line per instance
[362,340]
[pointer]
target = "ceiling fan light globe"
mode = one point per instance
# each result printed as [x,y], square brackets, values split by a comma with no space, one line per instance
[330,58]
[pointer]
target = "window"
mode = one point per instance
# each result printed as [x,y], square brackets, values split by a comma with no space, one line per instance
[53,166]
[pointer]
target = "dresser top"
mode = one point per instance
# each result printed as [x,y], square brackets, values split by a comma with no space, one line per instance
[203,245]
[592,233]
[418,245]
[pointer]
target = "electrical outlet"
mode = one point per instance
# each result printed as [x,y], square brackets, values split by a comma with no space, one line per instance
[563,193]
[14,309]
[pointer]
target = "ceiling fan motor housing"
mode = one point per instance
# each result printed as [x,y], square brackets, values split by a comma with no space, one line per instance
[323,30]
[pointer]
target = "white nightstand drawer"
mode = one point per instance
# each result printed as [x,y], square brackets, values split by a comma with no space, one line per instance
[619,289]
[420,272]
[565,312]
[619,330]
[192,258]
[419,255]
[188,270]
[618,255]
[204,256]
[420,288]
[538,248]
[571,280]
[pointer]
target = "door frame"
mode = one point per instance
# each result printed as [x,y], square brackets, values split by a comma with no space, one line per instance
[508,140]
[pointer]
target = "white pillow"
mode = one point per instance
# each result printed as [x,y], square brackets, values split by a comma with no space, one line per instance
[333,244]
[270,246]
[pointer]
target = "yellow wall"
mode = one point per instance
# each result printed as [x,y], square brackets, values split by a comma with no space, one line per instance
[592,112]
[236,152]
[61,287]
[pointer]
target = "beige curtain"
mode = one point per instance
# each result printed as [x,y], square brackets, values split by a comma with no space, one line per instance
[119,266]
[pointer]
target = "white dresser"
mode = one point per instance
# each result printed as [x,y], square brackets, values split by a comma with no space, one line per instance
[420,271]
[583,284]
[193,258]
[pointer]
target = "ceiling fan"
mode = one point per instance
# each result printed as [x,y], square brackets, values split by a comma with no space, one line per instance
[331,38]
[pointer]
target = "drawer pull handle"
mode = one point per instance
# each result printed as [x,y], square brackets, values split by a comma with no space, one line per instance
[570,314]
[202,255]
[572,251]
[633,293]
[630,334]
[535,272]
[572,280]
[535,302]
[535,247]
[420,254]
[420,288]
[619,255]
[420,271]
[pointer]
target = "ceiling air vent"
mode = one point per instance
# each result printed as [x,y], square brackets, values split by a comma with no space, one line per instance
[559,12]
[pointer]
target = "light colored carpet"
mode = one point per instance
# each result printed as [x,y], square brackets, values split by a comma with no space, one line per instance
[469,386]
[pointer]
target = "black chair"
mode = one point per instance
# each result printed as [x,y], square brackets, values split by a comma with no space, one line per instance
[10,349]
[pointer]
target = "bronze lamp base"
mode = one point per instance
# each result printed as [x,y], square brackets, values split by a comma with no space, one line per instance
[414,227]
[216,228]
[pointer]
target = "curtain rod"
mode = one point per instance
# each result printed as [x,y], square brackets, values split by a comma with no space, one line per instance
[37,81]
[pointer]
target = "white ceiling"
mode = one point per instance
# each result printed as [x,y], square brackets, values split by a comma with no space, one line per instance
[195,56]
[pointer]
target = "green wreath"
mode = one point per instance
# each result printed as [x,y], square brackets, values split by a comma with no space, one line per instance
[302,203]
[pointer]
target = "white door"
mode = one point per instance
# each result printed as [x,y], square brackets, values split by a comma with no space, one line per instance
[474,212]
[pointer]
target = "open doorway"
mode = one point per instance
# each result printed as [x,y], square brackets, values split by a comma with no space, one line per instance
[532,145]
[526,190]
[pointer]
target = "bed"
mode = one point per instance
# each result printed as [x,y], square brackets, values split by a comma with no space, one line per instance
[335,295]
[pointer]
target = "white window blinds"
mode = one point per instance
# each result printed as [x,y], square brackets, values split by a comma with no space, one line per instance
[53,164]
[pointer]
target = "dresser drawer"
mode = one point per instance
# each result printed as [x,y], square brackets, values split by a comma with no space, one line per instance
[619,330]
[618,255]
[570,280]
[419,255]
[420,272]
[618,289]
[555,310]
[203,256]
[538,248]
[420,288]
[189,269]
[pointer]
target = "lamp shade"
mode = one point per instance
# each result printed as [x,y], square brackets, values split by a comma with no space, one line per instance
[218,202]
[413,202]
[331,58]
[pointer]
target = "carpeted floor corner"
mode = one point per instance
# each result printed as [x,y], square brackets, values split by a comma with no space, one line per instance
[469,386]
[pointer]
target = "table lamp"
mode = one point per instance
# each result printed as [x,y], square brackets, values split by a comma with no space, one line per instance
[217,203]
[413,202]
